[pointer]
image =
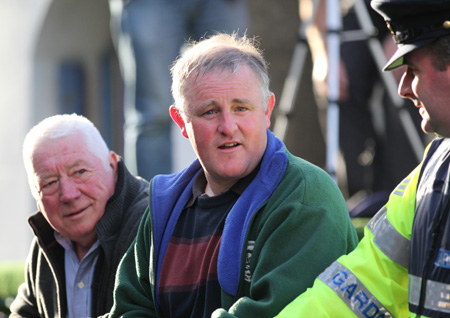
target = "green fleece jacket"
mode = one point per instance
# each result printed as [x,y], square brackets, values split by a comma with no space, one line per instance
[287,226]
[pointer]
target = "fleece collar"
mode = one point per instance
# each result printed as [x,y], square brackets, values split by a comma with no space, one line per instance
[170,193]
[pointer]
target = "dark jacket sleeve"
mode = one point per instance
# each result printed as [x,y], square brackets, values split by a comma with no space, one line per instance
[133,293]
[25,305]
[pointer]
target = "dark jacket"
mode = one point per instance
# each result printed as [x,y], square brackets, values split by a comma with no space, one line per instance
[429,257]
[44,293]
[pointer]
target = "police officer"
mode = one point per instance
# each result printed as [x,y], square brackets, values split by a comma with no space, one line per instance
[401,268]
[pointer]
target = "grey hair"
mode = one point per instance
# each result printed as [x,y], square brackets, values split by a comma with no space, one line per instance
[59,126]
[219,52]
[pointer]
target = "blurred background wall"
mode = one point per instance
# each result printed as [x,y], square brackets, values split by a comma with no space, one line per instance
[57,56]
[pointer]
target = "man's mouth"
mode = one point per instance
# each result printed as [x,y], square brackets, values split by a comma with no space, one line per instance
[229,145]
[75,213]
[417,104]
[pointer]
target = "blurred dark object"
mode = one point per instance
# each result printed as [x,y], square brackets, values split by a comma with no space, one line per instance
[365,205]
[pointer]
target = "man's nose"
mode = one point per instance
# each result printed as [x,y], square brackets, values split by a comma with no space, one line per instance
[68,189]
[227,123]
[404,87]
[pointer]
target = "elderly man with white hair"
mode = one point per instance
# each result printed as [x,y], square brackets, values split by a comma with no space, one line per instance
[89,206]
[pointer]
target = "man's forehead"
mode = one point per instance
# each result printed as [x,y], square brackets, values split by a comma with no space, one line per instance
[416,57]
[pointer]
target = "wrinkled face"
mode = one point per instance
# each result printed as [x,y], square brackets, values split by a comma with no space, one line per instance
[226,124]
[429,89]
[73,186]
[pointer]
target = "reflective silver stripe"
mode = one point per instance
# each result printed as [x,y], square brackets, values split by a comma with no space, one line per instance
[437,295]
[394,245]
[400,189]
[352,292]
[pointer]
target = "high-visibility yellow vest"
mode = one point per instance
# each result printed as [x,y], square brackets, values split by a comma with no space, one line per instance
[371,281]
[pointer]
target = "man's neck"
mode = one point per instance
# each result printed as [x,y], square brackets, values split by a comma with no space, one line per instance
[81,250]
[216,190]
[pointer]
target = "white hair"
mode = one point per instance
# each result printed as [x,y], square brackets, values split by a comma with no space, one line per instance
[59,126]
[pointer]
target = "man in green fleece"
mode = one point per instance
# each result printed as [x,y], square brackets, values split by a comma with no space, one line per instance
[247,226]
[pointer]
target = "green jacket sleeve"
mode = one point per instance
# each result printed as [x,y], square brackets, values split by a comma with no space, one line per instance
[366,296]
[371,281]
[301,230]
[133,292]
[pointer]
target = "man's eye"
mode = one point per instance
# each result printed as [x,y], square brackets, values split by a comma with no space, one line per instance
[241,109]
[81,171]
[49,184]
[210,112]
[49,187]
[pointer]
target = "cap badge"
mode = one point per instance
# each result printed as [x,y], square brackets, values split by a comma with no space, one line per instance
[388,24]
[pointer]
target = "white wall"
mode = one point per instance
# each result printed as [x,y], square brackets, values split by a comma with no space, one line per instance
[19,20]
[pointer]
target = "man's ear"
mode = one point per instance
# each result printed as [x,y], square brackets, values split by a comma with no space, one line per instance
[113,162]
[178,119]
[269,108]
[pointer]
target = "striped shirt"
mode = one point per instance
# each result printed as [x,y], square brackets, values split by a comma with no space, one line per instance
[189,285]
